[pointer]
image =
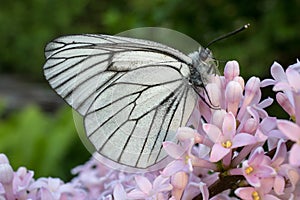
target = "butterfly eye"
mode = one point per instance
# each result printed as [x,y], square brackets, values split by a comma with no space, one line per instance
[204,54]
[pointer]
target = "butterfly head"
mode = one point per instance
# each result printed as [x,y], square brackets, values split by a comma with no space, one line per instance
[203,65]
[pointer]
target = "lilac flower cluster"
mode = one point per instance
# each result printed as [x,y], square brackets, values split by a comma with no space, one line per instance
[235,150]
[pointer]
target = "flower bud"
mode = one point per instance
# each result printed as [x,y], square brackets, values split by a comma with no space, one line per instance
[251,89]
[231,70]
[250,126]
[217,117]
[6,173]
[3,159]
[186,133]
[241,81]
[233,96]
[179,182]
[285,104]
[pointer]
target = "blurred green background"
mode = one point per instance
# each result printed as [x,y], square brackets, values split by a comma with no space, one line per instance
[36,127]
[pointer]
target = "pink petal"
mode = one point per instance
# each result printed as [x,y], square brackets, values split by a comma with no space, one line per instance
[278,72]
[266,102]
[119,192]
[294,157]
[245,192]
[280,154]
[174,150]
[243,139]
[229,126]
[268,124]
[295,66]
[143,184]
[267,82]
[204,190]
[162,184]
[212,132]
[270,197]
[180,180]
[173,167]
[160,181]
[184,133]
[292,175]
[282,86]
[264,171]
[136,194]
[297,106]
[257,156]
[218,152]
[279,184]
[266,185]
[253,181]
[290,129]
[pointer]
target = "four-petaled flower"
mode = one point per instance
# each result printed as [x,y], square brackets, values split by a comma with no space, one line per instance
[146,190]
[257,167]
[227,139]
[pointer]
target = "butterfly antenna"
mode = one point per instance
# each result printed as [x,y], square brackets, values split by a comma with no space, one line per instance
[228,35]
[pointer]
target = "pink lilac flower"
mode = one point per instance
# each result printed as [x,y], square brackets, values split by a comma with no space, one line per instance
[292,86]
[184,159]
[146,190]
[22,180]
[21,185]
[288,82]
[54,188]
[256,168]
[251,193]
[226,140]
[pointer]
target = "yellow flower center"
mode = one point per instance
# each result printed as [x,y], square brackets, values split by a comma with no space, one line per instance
[293,118]
[248,170]
[227,144]
[255,196]
[187,159]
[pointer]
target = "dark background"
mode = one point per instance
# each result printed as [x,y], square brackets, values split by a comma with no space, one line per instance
[36,127]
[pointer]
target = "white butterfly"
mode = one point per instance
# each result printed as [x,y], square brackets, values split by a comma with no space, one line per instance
[132,93]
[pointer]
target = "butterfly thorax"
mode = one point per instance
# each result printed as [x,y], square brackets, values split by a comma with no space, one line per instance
[203,65]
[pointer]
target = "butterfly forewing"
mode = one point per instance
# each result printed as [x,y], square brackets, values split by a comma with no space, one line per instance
[133,94]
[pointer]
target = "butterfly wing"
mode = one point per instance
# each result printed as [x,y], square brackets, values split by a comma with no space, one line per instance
[133,94]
